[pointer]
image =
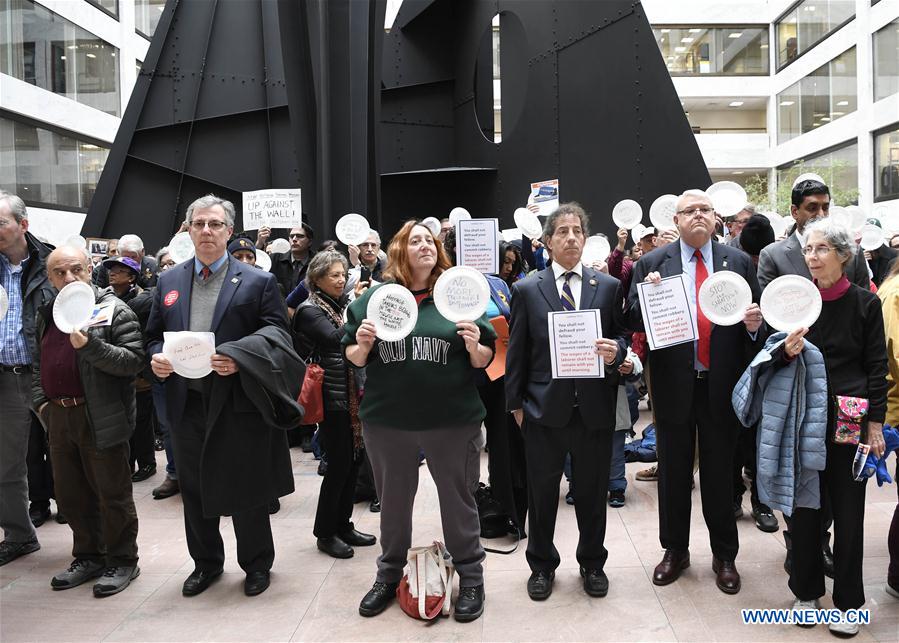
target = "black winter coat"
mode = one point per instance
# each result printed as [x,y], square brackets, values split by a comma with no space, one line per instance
[316,336]
[37,290]
[107,365]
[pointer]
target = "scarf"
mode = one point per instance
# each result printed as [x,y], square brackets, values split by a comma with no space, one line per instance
[334,311]
[835,291]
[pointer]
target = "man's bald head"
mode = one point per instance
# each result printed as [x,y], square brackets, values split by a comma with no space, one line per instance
[67,264]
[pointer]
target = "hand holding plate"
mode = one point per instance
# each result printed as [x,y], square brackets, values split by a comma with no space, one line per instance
[794,343]
[752,317]
[224,365]
[470,333]
[653,278]
[161,366]
[365,334]
[623,234]
[78,339]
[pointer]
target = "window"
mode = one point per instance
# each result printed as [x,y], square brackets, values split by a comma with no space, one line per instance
[886,163]
[47,167]
[46,50]
[886,61]
[146,16]
[837,166]
[737,50]
[826,94]
[109,6]
[806,24]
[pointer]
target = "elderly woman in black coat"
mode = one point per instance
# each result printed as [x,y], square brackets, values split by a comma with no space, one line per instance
[318,329]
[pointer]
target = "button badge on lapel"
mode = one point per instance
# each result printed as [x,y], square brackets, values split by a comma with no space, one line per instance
[234,280]
[592,282]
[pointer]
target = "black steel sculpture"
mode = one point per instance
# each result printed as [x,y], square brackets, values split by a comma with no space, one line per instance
[251,94]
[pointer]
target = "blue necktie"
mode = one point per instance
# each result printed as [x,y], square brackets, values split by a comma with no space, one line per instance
[567,295]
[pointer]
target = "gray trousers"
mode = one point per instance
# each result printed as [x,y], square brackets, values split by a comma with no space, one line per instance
[453,458]
[15,420]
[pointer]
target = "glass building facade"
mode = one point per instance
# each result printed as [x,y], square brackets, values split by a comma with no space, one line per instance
[146,16]
[806,24]
[886,163]
[886,60]
[696,51]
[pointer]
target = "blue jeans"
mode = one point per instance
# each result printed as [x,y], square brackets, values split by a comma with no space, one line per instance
[617,479]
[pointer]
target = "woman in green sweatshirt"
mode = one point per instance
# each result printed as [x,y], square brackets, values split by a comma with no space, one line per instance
[420,394]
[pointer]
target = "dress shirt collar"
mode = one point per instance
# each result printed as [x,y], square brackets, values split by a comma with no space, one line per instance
[687,251]
[558,270]
[213,267]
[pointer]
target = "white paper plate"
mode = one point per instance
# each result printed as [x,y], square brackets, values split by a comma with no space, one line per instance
[263,261]
[76,241]
[808,176]
[627,214]
[596,248]
[73,306]
[458,213]
[728,198]
[857,217]
[4,302]
[433,224]
[510,235]
[723,298]
[528,223]
[394,312]
[778,223]
[662,211]
[790,302]
[637,232]
[181,247]
[352,229]
[840,215]
[280,245]
[189,353]
[461,294]
[872,237]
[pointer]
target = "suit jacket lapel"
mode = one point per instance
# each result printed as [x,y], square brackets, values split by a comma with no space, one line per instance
[794,255]
[672,265]
[588,288]
[229,287]
[547,286]
[718,260]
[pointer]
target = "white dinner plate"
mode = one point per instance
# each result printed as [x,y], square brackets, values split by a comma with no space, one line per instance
[627,214]
[528,223]
[461,294]
[352,229]
[790,302]
[662,212]
[872,237]
[279,246]
[181,247]
[728,198]
[723,297]
[596,249]
[433,224]
[458,213]
[393,310]
[73,306]
[263,261]
[189,353]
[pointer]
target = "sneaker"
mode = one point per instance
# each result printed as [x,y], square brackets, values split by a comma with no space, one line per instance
[79,572]
[843,629]
[765,519]
[891,590]
[10,550]
[648,475]
[801,606]
[616,499]
[115,579]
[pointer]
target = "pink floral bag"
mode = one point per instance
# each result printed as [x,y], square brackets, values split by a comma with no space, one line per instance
[851,412]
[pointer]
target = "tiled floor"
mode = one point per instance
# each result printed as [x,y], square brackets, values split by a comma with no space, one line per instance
[314,597]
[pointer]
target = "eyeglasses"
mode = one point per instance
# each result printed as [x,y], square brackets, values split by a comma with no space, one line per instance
[690,212]
[363,246]
[214,225]
[297,236]
[818,251]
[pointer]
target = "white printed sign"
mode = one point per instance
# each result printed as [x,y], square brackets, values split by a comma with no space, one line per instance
[272,209]
[477,244]
[545,195]
[572,344]
[666,313]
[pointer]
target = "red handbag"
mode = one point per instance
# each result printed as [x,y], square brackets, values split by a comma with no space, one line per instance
[311,395]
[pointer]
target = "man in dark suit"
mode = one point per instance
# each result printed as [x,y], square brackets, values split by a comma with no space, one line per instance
[229,461]
[810,202]
[691,388]
[560,416]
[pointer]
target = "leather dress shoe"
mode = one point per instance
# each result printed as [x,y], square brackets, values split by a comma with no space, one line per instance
[274,506]
[728,578]
[596,583]
[60,518]
[828,563]
[469,603]
[334,547]
[199,581]
[378,598]
[39,514]
[356,538]
[669,570]
[256,582]
[10,550]
[540,585]
[375,506]
[167,489]
[144,472]
[765,519]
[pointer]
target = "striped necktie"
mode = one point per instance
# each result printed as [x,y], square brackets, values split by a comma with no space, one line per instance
[567,296]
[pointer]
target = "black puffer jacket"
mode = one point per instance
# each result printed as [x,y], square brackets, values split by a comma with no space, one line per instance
[316,336]
[107,365]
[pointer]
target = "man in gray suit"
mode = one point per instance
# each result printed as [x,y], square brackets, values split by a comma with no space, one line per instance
[810,202]
[560,416]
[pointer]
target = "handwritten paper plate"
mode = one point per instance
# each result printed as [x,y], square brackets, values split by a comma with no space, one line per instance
[352,229]
[393,310]
[461,294]
[790,302]
[190,353]
[723,298]
[73,306]
[627,214]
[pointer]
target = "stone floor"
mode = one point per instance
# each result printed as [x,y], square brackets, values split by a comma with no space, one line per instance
[314,597]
